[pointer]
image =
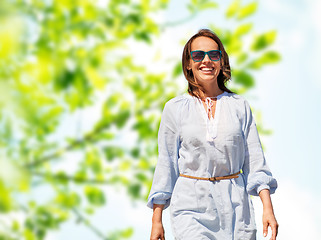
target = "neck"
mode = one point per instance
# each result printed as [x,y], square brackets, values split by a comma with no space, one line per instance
[211,93]
[211,90]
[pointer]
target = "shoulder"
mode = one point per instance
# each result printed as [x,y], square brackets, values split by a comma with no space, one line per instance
[179,101]
[174,107]
[237,100]
[239,105]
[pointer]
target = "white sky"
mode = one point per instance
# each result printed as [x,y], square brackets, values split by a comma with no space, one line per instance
[289,96]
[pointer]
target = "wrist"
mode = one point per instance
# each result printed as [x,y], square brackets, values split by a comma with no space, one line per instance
[157,214]
[268,210]
[157,218]
[157,222]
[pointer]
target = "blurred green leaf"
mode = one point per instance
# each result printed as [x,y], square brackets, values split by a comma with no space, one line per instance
[269,57]
[5,198]
[242,58]
[198,5]
[28,235]
[93,161]
[135,152]
[134,190]
[243,29]
[247,10]
[233,8]
[80,176]
[122,117]
[264,40]
[125,165]
[127,233]
[15,226]
[208,5]
[95,196]
[243,78]
[177,70]
[121,234]
[89,210]
[144,164]
[261,129]
[112,152]
[62,177]
[68,200]
[141,177]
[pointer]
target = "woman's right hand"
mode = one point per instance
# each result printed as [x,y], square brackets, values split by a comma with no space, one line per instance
[158,232]
[157,225]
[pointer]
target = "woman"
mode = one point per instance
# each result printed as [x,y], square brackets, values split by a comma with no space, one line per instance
[210,156]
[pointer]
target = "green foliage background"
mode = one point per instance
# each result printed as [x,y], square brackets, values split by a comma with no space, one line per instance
[71,61]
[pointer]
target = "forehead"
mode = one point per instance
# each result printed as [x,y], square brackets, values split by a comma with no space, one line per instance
[204,43]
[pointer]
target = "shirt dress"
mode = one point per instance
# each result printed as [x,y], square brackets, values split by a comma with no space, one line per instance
[192,144]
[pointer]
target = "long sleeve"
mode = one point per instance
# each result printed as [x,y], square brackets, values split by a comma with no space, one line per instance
[255,169]
[166,171]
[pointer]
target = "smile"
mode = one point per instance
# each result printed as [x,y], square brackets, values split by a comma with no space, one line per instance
[206,69]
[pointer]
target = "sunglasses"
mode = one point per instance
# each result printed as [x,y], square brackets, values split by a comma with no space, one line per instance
[198,55]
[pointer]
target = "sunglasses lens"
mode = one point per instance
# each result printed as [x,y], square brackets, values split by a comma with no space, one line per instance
[214,55]
[198,56]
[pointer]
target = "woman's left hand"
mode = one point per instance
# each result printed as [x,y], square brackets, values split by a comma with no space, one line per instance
[268,214]
[270,221]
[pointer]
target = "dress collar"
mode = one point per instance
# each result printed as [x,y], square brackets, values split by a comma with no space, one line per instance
[217,97]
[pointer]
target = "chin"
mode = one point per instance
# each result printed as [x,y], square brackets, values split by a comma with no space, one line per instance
[208,78]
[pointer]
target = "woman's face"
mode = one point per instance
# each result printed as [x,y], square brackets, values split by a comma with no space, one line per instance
[205,70]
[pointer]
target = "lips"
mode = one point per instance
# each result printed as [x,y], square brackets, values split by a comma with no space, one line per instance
[206,69]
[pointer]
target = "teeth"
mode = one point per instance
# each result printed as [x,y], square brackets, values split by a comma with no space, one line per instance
[207,69]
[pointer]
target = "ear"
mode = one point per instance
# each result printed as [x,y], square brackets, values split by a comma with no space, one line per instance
[188,67]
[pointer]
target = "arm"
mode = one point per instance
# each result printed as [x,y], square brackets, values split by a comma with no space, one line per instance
[157,225]
[166,171]
[258,175]
[268,214]
[255,168]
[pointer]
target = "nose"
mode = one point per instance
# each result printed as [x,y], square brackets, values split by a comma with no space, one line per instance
[206,58]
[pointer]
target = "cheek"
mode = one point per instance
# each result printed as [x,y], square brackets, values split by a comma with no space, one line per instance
[194,67]
[190,64]
[218,66]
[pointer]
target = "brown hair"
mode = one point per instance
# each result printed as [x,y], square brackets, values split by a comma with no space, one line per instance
[225,72]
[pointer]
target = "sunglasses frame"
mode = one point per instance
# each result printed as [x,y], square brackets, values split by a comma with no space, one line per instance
[207,53]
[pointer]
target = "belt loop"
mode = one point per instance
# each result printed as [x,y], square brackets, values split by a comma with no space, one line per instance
[212,179]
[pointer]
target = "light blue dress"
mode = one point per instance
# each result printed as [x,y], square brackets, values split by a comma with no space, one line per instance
[192,144]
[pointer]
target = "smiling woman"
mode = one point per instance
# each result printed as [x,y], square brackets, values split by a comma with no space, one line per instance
[205,40]
[205,70]
[210,155]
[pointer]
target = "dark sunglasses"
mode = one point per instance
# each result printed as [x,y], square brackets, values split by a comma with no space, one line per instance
[198,55]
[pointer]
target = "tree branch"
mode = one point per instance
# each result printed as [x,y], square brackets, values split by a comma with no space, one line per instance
[58,153]
[70,178]
[179,22]
[82,219]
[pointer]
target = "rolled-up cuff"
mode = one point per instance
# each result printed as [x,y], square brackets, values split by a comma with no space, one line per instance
[156,201]
[259,182]
[159,198]
[262,187]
